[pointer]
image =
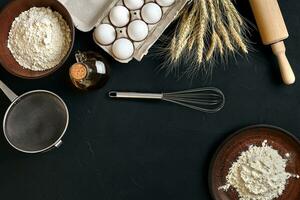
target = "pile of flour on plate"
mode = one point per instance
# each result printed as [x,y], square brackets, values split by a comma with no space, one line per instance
[258,174]
[39,39]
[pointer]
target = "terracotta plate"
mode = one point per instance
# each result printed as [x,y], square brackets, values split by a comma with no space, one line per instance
[229,151]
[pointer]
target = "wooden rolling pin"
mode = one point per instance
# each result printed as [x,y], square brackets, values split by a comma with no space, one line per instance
[273,31]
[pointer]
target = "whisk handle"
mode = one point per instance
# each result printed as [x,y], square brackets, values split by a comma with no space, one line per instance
[134,95]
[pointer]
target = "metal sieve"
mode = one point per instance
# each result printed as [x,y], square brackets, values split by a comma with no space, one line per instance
[35,121]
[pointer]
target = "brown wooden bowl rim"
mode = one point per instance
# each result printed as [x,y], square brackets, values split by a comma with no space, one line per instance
[230,137]
[54,69]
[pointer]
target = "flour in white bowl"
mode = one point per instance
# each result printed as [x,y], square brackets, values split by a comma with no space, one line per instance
[39,39]
[258,174]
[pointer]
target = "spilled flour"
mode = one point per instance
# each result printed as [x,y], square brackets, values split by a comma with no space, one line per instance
[258,174]
[39,39]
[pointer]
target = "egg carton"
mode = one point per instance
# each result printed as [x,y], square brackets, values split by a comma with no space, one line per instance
[120,25]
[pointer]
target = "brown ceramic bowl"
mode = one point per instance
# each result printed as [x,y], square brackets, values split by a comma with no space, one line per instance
[7,16]
[240,141]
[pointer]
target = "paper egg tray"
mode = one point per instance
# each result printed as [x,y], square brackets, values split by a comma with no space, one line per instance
[169,13]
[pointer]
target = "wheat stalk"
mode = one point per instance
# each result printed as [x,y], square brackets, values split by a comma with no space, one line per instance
[173,48]
[191,42]
[212,47]
[212,11]
[220,45]
[234,11]
[202,29]
[231,17]
[237,38]
[211,26]
[222,31]
[184,32]
[232,22]
[192,37]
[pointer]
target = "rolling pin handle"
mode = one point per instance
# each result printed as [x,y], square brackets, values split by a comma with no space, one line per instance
[286,70]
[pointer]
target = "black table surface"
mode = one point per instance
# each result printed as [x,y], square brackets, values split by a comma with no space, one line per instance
[149,150]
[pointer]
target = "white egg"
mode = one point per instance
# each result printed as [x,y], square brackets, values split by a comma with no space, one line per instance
[119,16]
[134,4]
[165,3]
[123,48]
[151,13]
[105,34]
[137,30]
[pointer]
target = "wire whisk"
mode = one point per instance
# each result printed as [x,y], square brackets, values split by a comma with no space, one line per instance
[208,99]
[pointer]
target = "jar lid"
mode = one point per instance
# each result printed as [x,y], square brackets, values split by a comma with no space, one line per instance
[78,71]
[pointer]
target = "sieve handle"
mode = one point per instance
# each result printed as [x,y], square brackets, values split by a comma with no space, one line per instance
[8,92]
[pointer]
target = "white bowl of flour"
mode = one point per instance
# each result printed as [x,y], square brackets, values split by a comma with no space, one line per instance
[36,39]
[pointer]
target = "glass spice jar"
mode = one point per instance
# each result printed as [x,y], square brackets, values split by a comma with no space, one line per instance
[90,71]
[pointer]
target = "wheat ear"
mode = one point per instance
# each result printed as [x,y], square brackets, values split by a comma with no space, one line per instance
[220,45]
[221,29]
[212,47]
[184,31]
[232,23]
[182,34]
[234,11]
[173,48]
[203,15]
[192,38]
